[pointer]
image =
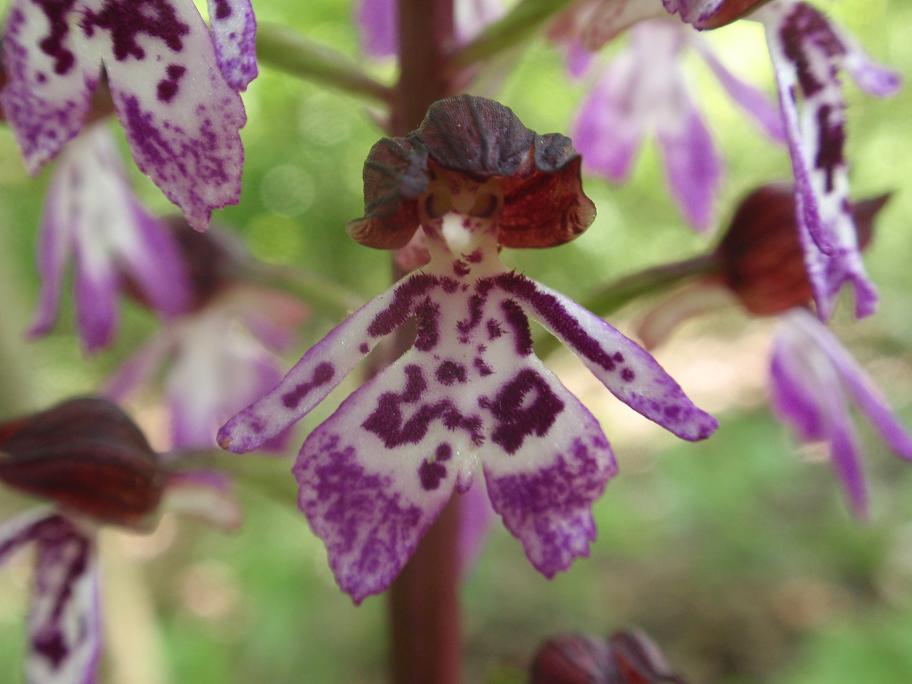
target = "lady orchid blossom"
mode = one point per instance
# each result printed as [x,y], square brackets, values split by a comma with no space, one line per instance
[812,378]
[219,354]
[378,23]
[644,90]
[92,216]
[470,392]
[760,265]
[95,465]
[173,81]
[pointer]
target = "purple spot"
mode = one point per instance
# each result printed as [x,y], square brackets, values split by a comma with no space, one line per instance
[222,9]
[494,329]
[389,424]
[52,44]
[363,348]
[460,268]
[830,143]
[617,356]
[517,417]
[516,319]
[476,306]
[41,77]
[128,19]
[322,374]
[627,375]
[427,315]
[444,451]
[401,307]
[475,257]
[449,372]
[483,369]
[431,474]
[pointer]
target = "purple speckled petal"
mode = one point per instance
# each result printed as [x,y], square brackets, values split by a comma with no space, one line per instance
[858,384]
[609,125]
[545,487]
[204,494]
[180,116]
[52,75]
[375,475]
[233,26]
[625,368]
[806,54]
[692,165]
[475,518]
[55,244]
[377,22]
[872,77]
[64,618]
[758,107]
[324,366]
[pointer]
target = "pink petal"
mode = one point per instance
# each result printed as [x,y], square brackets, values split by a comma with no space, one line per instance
[96,288]
[52,74]
[609,125]
[324,366]
[377,22]
[752,101]
[625,368]
[692,165]
[233,26]
[544,484]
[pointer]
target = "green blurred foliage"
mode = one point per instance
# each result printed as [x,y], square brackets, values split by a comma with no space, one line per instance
[735,554]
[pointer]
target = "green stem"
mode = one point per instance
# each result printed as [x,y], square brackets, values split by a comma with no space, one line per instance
[326,297]
[288,51]
[513,28]
[649,281]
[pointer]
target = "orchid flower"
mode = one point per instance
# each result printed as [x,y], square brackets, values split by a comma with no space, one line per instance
[220,353]
[470,393]
[807,52]
[377,22]
[173,83]
[644,91]
[92,216]
[812,379]
[88,458]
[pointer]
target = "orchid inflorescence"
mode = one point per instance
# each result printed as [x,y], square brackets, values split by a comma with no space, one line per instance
[468,407]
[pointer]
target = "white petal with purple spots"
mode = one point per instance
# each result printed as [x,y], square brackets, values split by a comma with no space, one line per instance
[233,26]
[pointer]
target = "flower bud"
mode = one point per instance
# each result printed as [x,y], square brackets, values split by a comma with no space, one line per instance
[86,456]
[760,256]
[628,657]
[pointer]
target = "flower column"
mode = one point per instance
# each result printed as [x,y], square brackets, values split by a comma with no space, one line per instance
[424,600]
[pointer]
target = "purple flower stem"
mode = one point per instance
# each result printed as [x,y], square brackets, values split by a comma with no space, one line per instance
[424,599]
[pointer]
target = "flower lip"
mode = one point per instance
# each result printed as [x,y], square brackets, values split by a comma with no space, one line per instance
[87,456]
[537,175]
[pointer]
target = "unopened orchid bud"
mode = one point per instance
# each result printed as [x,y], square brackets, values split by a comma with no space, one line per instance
[88,457]
[628,657]
[761,258]
[711,14]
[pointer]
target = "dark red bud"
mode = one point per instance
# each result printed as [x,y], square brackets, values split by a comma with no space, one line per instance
[760,256]
[87,456]
[629,657]
[573,659]
[728,11]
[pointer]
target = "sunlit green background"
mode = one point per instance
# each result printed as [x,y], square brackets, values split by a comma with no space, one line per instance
[736,554]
